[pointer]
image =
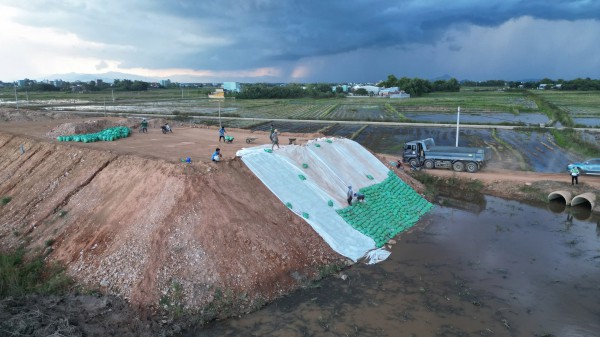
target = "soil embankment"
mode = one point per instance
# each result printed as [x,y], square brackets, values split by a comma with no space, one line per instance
[153,231]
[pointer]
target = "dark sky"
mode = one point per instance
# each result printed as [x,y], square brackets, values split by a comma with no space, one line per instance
[301,41]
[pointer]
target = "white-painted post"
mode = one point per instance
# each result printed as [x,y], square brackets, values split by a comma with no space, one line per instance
[457,125]
[219,114]
[16,97]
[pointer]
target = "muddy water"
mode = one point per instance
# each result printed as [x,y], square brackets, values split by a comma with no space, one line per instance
[507,270]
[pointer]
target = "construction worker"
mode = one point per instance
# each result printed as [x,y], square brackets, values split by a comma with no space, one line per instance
[217,156]
[349,194]
[144,126]
[222,133]
[574,175]
[274,139]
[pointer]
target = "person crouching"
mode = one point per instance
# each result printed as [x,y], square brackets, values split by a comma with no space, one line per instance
[359,196]
[217,156]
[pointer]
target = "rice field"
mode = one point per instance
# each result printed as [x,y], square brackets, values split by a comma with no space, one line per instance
[582,106]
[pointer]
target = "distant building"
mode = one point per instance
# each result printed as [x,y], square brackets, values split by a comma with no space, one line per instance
[371,89]
[542,86]
[165,83]
[57,83]
[344,88]
[232,86]
[393,92]
[22,83]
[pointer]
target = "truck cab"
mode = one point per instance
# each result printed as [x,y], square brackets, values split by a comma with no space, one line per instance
[414,151]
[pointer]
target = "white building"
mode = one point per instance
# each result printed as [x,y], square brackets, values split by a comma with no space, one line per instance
[371,89]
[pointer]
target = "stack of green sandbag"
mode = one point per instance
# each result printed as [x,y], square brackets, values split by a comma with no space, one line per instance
[109,134]
[390,208]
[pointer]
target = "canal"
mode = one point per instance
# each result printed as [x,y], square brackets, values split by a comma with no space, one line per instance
[498,268]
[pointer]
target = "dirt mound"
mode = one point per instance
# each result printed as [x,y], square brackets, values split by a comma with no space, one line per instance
[159,234]
[77,128]
[20,115]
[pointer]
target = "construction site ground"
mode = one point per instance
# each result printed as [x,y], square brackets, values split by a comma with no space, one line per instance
[125,210]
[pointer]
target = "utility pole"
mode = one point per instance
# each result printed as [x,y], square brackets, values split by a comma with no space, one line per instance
[220,115]
[457,125]
[16,98]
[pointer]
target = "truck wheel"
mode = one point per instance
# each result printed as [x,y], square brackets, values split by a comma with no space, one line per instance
[472,167]
[429,164]
[458,166]
[413,162]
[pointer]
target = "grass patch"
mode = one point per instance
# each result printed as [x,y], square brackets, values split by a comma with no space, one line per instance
[570,139]
[5,200]
[329,269]
[534,193]
[433,182]
[19,276]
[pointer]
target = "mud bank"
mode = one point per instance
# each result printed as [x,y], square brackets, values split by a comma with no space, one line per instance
[159,234]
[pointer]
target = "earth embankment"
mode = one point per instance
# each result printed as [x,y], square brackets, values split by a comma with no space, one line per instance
[154,231]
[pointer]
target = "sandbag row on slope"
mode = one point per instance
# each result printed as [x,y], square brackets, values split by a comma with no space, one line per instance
[390,208]
[109,134]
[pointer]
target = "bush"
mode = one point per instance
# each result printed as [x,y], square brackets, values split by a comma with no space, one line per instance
[19,277]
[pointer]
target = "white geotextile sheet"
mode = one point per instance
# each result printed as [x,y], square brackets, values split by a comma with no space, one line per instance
[332,167]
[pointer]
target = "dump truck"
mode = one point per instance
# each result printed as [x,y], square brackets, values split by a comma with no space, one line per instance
[424,153]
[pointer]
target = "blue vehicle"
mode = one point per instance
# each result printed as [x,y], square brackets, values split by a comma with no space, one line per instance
[590,166]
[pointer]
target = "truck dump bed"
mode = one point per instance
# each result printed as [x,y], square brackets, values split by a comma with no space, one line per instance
[463,153]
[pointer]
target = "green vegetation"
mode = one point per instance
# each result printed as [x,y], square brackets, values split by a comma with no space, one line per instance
[172,301]
[433,183]
[5,200]
[328,270]
[418,87]
[571,140]
[19,276]
[553,112]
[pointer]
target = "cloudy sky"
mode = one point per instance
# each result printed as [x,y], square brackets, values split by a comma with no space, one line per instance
[301,40]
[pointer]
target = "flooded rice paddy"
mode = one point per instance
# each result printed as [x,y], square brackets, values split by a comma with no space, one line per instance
[505,269]
[480,118]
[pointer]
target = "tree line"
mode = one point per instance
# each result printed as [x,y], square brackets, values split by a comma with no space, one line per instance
[418,86]
[414,86]
[581,84]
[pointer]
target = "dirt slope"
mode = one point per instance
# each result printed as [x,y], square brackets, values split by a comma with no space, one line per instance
[148,229]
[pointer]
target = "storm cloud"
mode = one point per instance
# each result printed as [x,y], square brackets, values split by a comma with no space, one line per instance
[304,40]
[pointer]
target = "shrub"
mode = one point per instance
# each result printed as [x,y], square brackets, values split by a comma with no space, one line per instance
[19,276]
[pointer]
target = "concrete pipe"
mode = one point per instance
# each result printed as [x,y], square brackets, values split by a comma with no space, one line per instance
[561,194]
[588,196]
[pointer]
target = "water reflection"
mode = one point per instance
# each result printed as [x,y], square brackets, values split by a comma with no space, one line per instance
[509,270]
